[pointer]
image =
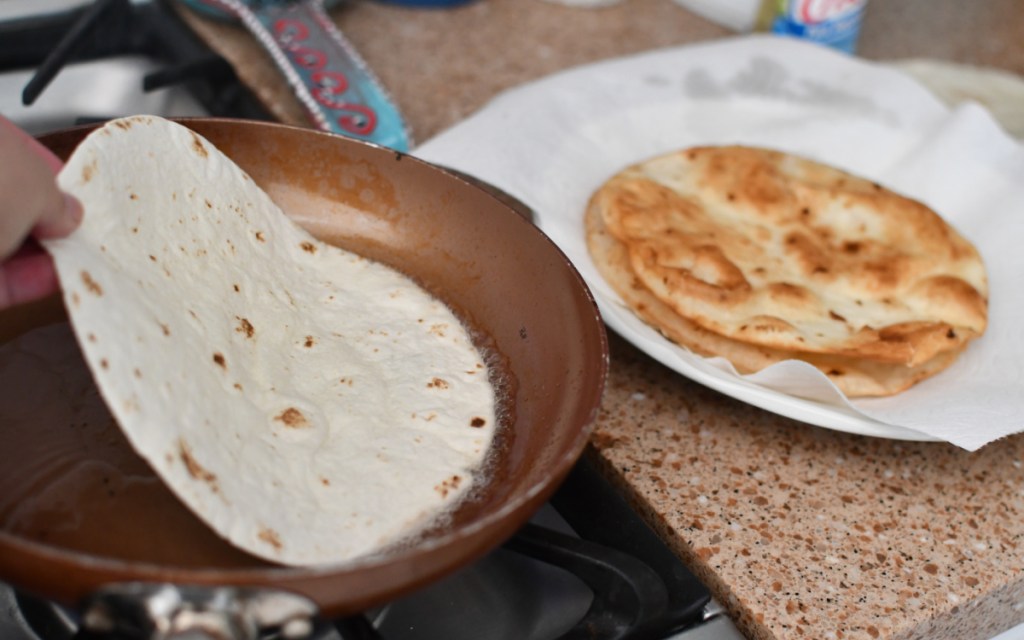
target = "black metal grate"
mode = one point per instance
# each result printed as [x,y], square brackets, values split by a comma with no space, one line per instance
[108,28]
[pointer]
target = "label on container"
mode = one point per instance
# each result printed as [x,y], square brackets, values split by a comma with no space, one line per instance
[835,23]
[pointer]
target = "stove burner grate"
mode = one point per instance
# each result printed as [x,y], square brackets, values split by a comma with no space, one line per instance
[111,28]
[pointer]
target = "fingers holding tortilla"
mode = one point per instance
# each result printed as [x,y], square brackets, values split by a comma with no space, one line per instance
[31,204]
[26,276]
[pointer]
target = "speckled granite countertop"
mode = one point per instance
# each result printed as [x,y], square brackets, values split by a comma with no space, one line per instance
[808,533]
[801,532]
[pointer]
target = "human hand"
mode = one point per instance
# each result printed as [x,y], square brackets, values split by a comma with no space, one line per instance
[31,207]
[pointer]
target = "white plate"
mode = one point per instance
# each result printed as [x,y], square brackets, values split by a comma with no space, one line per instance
[552,142]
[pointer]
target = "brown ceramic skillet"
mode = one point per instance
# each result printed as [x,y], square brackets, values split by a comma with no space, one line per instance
[504,275]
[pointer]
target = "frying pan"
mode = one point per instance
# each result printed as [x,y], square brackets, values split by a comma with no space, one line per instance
[491,265]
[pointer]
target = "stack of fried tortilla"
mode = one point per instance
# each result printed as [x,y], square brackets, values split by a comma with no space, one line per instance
[760,256]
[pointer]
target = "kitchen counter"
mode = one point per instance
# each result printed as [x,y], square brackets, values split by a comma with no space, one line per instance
[801,532]
[441,65]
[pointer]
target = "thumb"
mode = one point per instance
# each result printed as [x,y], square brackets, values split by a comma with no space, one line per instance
[30,201]
[59,221]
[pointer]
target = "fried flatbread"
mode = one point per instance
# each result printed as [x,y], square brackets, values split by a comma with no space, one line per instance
[854,377]
[783,253]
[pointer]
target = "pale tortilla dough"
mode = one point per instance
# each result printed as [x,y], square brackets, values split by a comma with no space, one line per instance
[310,405]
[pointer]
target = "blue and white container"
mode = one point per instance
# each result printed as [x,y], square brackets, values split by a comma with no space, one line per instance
[835,23]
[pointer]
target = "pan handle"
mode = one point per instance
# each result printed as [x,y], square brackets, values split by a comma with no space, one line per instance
[146,611]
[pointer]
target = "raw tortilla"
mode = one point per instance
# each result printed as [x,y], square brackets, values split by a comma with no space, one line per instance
[310,405]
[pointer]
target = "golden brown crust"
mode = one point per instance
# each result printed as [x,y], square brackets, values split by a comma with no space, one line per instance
[855,377]
[783,253]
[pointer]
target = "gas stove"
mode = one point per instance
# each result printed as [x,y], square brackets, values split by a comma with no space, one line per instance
[586,566]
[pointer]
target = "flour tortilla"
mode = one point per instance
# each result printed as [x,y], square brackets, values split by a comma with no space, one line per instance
[782,252]
[310,405]
[855,377]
